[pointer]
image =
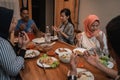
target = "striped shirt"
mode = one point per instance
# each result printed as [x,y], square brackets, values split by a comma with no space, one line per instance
[10,64]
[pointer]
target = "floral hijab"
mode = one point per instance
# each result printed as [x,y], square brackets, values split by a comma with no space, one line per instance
[88,22]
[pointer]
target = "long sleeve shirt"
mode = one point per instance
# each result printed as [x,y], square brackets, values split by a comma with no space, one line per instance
[10,64]
[89,43]
[68,29]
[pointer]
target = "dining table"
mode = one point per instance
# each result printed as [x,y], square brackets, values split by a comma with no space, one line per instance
[32,71]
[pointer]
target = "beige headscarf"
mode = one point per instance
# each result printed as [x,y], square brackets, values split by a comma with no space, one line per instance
[89,21]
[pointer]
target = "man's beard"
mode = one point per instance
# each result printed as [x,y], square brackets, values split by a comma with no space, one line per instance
[26,18]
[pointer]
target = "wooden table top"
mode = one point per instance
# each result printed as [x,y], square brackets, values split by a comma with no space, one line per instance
[32,71]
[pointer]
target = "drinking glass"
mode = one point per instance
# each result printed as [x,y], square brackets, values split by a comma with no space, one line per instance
[47,38]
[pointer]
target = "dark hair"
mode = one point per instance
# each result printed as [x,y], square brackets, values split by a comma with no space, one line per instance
[113,32]
[67,13]
[5,21]
[22,9]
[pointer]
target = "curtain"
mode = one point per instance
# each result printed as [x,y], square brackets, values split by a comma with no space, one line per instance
[12,4]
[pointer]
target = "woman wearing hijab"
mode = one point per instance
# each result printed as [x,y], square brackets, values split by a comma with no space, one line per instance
[10,63]
[92,37]
[113,30]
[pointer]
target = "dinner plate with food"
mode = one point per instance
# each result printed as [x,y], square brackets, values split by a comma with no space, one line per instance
[105,60]
[63,50]
[83,74]
[39,40]
[46,61]
[31,53]
[79,51]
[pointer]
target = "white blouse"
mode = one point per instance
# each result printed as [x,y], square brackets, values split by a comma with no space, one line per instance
[90,43]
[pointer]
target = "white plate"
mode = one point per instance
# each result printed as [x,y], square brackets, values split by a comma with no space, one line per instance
[45,65]
[87,75]
[39,40]
[81,50]
[57,51]
[31,53]
[110,64]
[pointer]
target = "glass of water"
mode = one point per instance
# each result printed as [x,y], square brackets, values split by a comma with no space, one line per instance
[47,37]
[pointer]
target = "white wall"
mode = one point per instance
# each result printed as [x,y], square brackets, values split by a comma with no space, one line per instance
[11,4]
[104,9]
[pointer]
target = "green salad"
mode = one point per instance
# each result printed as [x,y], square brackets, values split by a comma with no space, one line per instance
[49,61]
[104,60]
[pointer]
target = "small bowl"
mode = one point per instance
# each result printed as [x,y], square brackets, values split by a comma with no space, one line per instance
[31,45]
[65,57]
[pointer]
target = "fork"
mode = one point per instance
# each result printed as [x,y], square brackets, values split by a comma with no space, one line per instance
[43,67]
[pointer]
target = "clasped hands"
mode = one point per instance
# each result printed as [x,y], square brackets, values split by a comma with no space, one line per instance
[56,29]
[92,59]
[23,39]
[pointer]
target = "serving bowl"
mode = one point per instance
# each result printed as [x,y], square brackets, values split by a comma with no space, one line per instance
[65,57]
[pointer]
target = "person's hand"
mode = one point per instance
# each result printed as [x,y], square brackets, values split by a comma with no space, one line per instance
[73,63]
[93,59]
[78,39]
[73,59]
[23,40]
[99,38]
[56,29]
[97,35]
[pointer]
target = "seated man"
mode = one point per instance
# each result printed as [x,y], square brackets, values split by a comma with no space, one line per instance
[26,24]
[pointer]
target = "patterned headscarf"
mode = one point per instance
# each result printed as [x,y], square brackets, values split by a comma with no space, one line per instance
[89,21]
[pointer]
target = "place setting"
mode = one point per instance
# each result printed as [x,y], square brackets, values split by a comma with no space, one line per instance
[46,62]
[83,74]
[63,50]
[31,53]
[106,61]
[103,58]
[64,55]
